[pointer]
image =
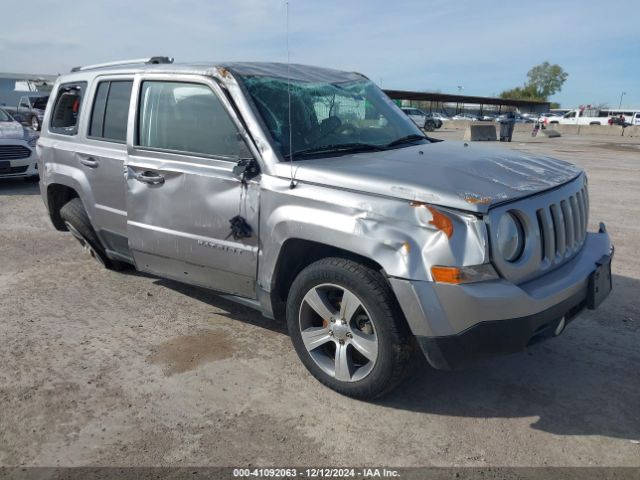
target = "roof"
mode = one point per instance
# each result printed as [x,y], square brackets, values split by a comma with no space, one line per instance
[295,72]
[451,98]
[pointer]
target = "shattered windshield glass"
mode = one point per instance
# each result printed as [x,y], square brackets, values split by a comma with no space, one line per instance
[330,118]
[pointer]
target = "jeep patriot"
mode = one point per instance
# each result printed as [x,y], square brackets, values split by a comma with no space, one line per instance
[307,193]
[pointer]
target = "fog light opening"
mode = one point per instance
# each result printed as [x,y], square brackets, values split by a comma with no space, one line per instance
[560,327]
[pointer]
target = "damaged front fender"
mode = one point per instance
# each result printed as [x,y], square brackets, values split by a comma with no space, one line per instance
[394,233]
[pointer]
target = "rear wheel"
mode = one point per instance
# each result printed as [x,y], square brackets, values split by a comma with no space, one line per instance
[429,125]
[347,329]
[77,222]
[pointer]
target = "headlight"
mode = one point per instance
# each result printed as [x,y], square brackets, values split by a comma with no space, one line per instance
[510,237]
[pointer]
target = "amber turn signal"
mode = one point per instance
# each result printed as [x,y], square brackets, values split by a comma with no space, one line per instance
[468,274]
[447,274]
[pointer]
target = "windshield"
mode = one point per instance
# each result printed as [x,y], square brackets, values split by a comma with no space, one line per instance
[4,116]
[330,118]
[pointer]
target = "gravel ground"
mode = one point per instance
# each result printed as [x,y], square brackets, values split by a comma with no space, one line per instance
[104,368]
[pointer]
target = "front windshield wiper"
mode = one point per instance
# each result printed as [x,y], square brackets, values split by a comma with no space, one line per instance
[409,138]
[339,147]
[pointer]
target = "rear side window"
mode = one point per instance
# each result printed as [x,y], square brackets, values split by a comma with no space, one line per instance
[66,111]
[185,117]
[111,111]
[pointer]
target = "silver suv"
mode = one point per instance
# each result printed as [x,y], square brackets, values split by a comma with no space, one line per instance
[308,194]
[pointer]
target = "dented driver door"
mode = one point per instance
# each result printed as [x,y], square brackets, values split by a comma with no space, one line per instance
[182,193]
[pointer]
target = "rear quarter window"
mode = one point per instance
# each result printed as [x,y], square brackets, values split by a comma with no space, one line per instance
[66,111]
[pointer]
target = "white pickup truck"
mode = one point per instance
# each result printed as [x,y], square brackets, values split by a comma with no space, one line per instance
[589,116]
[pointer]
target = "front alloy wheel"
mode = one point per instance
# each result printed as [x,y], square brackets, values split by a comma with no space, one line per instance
[347,328]
[338,332]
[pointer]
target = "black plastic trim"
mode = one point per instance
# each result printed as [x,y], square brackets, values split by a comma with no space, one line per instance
[499,337]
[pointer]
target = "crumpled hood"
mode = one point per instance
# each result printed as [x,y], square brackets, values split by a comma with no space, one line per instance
[12,131]
[450,174]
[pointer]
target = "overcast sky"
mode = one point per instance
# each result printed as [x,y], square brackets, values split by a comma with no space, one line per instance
[485,46]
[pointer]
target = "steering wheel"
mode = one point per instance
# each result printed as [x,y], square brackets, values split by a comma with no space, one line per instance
[346,129]
[333,125]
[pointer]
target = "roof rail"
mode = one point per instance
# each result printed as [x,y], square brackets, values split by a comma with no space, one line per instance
[150,60]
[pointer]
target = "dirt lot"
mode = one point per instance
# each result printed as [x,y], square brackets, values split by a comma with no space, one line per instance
[104,368]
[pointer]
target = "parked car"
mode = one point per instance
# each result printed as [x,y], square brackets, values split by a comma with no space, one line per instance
[424,120]
[465,116]
[440,116]
[17,149]
[531,116]
[371,239]
[517,118]
[620,120]
[29,110]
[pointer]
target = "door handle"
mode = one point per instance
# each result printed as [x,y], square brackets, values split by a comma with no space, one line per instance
[89,162]
[149,177]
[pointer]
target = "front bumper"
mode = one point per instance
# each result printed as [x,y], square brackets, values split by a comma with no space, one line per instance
[457,325]
[20,167]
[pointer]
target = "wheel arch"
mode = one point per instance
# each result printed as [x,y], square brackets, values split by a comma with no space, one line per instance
[297,254]
[57,196]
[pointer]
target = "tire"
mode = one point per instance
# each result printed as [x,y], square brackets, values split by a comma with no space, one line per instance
[375,326]
[77,222]
[429,126]
[35,123]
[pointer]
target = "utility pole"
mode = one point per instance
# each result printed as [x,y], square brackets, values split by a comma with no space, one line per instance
[621,95]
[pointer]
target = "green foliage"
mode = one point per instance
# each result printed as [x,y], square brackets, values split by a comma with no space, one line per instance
[543,81]
[546,79]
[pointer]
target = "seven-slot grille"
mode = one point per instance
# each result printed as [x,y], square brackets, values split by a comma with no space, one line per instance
[14,152]
[563,226]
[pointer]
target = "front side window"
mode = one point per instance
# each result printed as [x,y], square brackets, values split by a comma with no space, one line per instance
[188,118]
[329,118]
[111,110]
[66,112]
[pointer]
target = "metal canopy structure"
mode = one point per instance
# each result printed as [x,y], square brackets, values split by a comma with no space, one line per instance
[462,100]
